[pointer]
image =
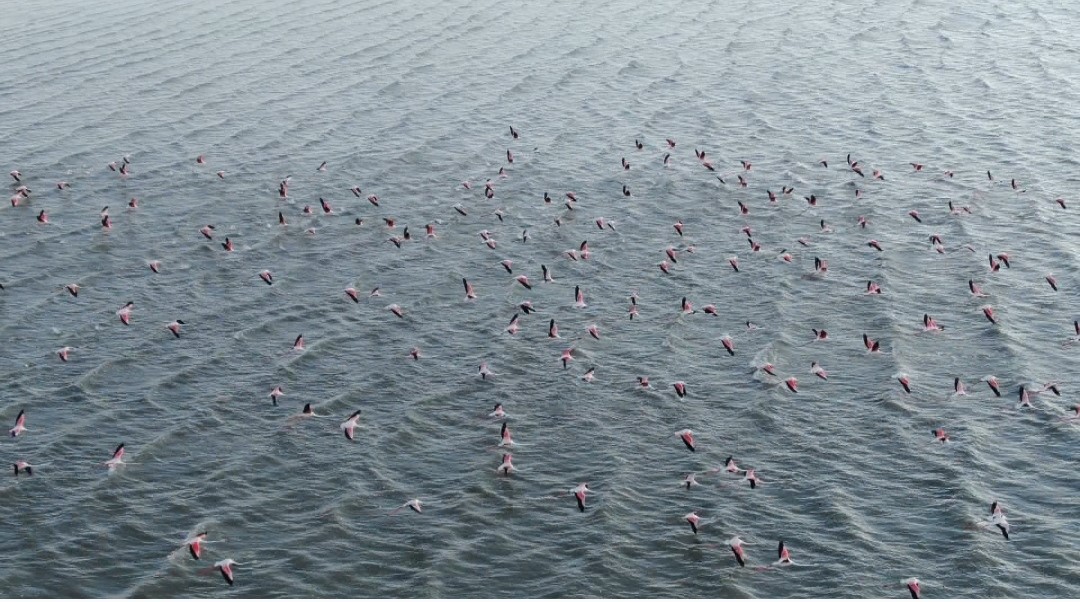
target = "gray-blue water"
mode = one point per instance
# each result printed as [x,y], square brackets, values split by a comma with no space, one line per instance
[406,101]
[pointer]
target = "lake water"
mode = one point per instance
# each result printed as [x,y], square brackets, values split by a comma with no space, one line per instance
[407,101]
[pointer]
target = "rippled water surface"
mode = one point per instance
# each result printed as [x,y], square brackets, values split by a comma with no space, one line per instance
[408,99]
